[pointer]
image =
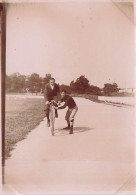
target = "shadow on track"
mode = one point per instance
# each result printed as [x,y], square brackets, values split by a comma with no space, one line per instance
[62,132]
[114,104]
[82,129]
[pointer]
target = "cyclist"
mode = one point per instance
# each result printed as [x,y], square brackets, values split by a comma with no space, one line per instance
[51,92]
[72,109]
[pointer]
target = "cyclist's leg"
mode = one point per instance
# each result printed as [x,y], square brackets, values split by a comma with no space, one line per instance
[71,118]
[47,108]
[73,113]
[67,118]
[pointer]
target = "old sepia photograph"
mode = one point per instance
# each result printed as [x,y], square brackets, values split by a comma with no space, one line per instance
[68,97]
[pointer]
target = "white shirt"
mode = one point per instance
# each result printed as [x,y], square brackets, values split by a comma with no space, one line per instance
[52,86]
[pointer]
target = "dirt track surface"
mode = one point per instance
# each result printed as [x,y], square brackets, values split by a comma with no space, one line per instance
[99,156]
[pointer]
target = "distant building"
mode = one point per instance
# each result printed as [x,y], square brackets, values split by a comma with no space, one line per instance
[128,90]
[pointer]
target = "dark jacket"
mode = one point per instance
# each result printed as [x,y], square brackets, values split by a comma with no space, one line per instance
[69,101]
[49,93]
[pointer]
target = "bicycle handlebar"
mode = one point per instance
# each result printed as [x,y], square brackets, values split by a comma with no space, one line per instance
[53,101]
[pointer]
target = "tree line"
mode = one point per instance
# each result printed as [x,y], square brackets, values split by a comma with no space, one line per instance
[33,83]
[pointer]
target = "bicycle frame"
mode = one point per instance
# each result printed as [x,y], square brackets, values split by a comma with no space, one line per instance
[52,116]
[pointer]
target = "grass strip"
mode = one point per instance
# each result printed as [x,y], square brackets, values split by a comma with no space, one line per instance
[22,115]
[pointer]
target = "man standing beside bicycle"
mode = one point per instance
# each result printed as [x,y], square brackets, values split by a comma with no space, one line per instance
[72,109]
[51,92]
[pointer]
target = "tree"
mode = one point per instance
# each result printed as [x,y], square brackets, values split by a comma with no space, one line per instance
[34,83]
[15,82]
[81,85]
[21,83]
[72,86]
[110,88]
[47,78]
[8,83]
[94,90]
[67,88]
[44,81]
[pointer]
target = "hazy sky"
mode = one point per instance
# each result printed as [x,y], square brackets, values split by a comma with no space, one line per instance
[69,40]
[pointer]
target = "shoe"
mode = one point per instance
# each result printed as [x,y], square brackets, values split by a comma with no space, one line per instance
[71,130]
[66,128]
[48,123]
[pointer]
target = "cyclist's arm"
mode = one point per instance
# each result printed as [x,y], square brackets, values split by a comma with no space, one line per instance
[65,104]
[62,107]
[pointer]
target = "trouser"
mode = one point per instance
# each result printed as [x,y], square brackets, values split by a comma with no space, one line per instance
[47,106]
[70,115]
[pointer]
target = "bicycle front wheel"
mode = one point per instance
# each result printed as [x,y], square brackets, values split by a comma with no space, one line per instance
[52,120]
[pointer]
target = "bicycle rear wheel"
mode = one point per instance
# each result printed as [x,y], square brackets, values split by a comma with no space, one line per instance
[52,120]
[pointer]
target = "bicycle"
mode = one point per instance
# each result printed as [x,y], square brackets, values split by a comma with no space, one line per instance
[52,115]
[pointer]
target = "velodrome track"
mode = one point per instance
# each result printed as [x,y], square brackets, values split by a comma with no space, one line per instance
[98,157]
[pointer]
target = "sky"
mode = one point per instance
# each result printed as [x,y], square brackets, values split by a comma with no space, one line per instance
[71,39]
